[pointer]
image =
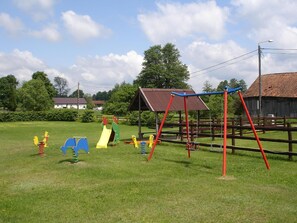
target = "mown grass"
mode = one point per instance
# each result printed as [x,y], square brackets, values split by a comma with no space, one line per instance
[119,185]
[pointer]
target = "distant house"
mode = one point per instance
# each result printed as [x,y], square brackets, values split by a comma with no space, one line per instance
[70,103]
[98,104]
[279,95]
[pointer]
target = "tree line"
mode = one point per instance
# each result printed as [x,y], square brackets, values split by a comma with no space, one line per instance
[161,68]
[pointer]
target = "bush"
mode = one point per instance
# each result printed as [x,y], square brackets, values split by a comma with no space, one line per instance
[148,118]
[88,116]
[51,115]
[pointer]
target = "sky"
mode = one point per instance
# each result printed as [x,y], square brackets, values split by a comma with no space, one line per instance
[101,43]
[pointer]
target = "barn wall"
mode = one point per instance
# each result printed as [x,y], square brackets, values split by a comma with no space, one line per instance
[272,105]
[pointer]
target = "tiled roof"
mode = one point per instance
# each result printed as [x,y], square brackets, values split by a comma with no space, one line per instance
[98,102]
[68,101]
[155,99]
[275,85]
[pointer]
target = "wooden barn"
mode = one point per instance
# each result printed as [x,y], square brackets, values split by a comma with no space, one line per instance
[279,95]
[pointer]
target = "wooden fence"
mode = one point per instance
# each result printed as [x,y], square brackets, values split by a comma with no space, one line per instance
[237,129]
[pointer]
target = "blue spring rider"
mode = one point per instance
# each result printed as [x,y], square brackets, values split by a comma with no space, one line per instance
[76,143]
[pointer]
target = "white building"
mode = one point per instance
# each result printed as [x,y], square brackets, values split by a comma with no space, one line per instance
[70,103]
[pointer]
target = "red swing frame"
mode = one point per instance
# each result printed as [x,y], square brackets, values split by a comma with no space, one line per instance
[225,93]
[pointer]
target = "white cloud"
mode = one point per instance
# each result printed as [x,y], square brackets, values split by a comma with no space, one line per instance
[203,58]
[269,20]
[82,27]
[50,33]
[12,25]
[94,73]
[37,9]
[21,64]
[102,73]
[175,21]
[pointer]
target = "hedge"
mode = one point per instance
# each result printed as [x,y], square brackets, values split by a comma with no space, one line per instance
[51,115]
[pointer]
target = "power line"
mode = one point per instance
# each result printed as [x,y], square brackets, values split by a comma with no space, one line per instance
[292,49]
[227,63]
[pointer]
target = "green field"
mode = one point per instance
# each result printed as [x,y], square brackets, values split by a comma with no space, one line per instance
[119,185]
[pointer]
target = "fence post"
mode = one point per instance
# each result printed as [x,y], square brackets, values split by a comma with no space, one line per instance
[264,124]
[212,129]
[192,130]
[241,124]
[233,135]
[290,141]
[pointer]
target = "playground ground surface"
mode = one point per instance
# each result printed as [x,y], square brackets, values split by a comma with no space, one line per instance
[118,184]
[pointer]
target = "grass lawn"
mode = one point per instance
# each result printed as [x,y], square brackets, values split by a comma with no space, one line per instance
[118,184]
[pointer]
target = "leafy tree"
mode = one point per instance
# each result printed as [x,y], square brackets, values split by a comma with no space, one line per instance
[8,97]
[207,87]
[74,94]
[89,100]
[234,103]
[120,99]
[162,68]
[61,86]
[40,75]
[222,85]
[102,95]
[34,96]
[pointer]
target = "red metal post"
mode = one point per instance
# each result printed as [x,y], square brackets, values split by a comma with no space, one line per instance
[187,126]
[224,168]
[41,148]
[160,129]
[254,130]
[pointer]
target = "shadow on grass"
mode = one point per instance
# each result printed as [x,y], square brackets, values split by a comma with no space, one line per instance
[37,154]
[190,164]
[70,161]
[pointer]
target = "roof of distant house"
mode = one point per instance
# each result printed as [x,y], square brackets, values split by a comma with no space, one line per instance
[275,85]
[156,100]
[99,102]
[69,101]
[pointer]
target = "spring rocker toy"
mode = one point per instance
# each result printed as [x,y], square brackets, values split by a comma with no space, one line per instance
[75,143]
[41,144]
[142,143]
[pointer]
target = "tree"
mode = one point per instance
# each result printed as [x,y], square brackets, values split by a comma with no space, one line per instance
[162,68]
[234,103]
[89,100]
[102,95]
[40,75]
[8,97]
[34,96]
[61,86]
[120,99]
[222,85]
[74,94]
[207,87]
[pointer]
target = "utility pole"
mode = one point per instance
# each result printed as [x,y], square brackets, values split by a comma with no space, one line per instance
[260,81]
[260,75]
[77,96]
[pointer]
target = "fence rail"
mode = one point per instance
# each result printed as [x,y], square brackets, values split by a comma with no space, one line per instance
[237,129]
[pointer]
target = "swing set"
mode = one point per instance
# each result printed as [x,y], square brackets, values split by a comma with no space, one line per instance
[190,144]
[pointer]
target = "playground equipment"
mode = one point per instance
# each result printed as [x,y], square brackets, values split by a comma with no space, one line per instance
[150,141]
[75,143]
[142,143]
[41,144]
[109,135]
[190,144]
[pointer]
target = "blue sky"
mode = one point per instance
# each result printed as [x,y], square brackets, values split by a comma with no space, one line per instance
[101,43]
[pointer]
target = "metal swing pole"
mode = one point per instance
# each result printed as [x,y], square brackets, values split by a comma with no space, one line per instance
[161,126]
[254,130]
[224,168]
[187,126]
